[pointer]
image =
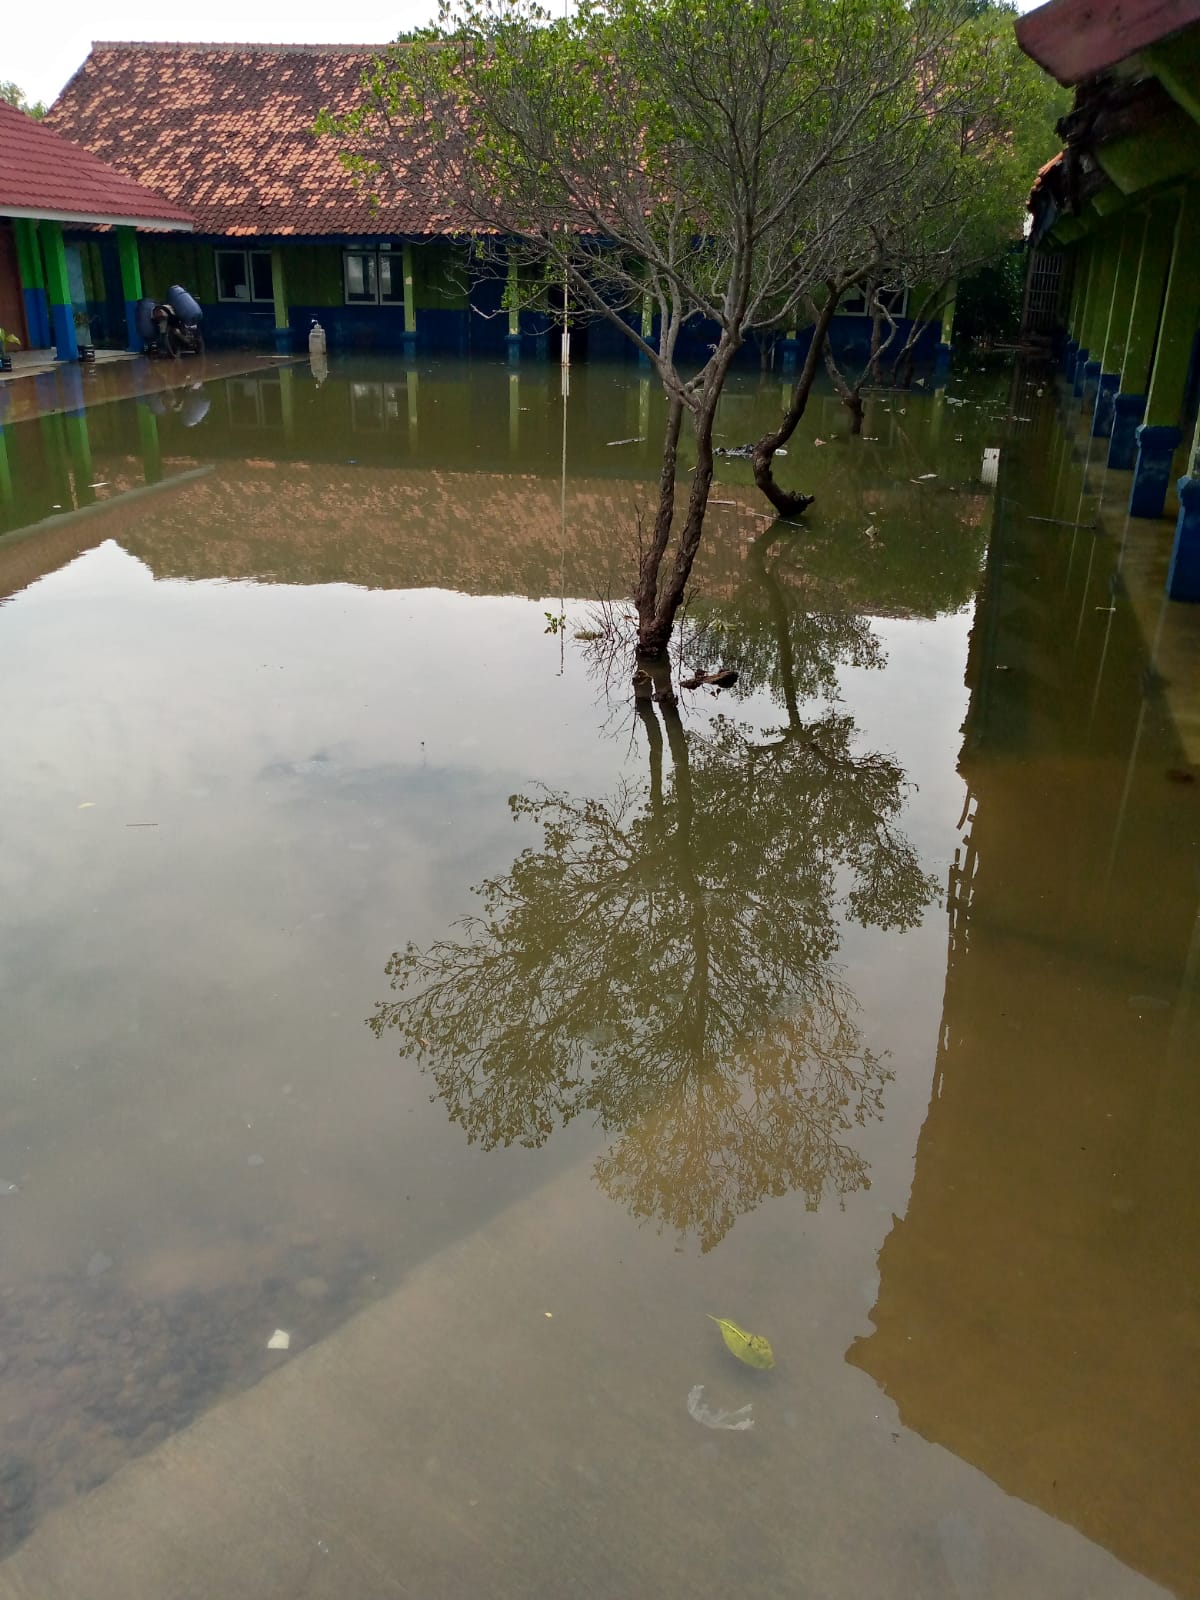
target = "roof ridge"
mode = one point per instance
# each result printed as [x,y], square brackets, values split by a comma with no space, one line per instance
[261,48]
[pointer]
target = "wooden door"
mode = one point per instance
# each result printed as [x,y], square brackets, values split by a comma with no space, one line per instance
[12,300]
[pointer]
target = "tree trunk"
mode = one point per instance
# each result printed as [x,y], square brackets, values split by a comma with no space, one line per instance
[654,637]
[645,595]
[786,502]
[756,562]
[877,346]
[850,397]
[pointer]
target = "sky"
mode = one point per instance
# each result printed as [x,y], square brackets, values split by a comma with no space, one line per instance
[42,57]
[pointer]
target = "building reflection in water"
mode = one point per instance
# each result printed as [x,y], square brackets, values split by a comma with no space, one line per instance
[1039,1304]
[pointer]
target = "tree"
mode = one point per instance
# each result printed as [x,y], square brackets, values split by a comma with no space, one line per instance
[665,962]
[14,95]
[676,161]
[985,187]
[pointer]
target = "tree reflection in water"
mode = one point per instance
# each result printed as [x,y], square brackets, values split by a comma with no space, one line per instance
[665,962]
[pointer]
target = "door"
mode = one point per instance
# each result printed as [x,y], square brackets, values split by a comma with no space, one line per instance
[12,300]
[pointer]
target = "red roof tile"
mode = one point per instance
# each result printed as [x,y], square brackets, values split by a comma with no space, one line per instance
[226,130]
[43,174]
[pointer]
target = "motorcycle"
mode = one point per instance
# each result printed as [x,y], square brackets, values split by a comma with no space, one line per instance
[171,326]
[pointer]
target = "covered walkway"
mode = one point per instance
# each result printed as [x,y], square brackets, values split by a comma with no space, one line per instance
[49,291]
[1122,202]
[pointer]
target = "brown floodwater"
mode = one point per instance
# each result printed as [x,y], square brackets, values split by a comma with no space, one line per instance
[352,918]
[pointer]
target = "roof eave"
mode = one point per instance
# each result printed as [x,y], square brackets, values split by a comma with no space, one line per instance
[38,214]
[1076,39]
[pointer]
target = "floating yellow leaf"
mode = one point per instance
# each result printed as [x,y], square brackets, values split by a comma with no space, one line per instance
[751,1348]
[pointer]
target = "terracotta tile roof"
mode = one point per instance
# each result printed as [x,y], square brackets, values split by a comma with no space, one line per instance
[43,173]
[1075,39]
[226,130]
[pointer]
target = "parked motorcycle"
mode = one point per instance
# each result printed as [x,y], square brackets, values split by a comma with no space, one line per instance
[171,326]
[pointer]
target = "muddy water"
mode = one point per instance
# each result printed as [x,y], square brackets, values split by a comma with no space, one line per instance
[345,900]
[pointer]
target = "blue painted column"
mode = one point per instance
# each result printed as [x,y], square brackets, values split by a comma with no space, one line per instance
[1128,411]
[1160,435]
[1106,394]
[58,287]
[1183,579]
[131,284]
[1156,447]
[33,283]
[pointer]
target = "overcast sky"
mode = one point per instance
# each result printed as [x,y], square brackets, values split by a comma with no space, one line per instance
[41,49]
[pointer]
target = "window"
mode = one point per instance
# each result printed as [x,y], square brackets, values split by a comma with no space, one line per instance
[377,406]
[244,275]
[255,402]
[854,303]
[373,277]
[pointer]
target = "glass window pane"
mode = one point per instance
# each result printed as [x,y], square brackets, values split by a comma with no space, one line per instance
[366,406]
[232,283]
[360,276]
[260,267]
[391,278]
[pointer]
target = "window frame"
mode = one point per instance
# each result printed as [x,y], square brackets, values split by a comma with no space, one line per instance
[247,274]
[899,309]
[377,254]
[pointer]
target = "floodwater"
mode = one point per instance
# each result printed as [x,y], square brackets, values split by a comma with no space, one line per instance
[368,961]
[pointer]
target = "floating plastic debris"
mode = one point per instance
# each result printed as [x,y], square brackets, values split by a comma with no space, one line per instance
[736,1421]
[279,1340]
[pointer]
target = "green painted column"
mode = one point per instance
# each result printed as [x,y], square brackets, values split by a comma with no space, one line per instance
[410,302]
[79,447]
[512,291]
[131,284]
[1180,314]
[151,448]
[283,332]
[411,380]
[54,454]
[33,283]
[6,483]
[1083,284]
[58,289]
[948,315]
[1111,351]
[1116,334]
[1160,435]
[287,402]
[1150,282]
[1108,250]
[1084,278]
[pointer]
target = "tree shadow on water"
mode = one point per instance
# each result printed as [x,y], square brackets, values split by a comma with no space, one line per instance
[665,962]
